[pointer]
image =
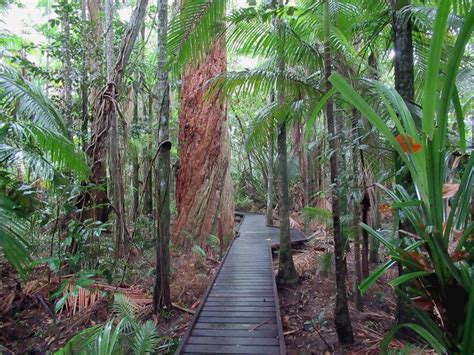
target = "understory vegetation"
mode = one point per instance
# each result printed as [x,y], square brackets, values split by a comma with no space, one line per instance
[132,131]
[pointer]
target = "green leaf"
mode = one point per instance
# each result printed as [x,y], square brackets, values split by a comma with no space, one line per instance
[432,72]
[460,120]
[407,277]
[12,242]
[449,92]
[468,340]
[430,339]
[374,276]
[29,101]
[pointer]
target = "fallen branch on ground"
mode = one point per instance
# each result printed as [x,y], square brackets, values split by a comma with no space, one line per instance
[182,308]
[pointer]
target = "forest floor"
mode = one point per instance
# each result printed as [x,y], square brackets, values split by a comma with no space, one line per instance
[307,310]
[28,323]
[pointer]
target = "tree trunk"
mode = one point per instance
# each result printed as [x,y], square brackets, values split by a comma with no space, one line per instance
[135,158]
[96,50]
[270,180]
[356,211]
[67,72]
[84,81]
[96,199]
[161,295]
[403,59]
[374,243]
[114,143]
[341,317]
[204,191]
[287,274]
[270,176]
[404,84]
[365,203]
[148,192]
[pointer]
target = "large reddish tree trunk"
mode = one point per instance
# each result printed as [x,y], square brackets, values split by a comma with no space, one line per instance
[204,186]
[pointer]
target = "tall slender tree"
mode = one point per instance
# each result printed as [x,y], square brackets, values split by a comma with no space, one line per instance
[287,274]
[341,317]
[270,174]
[148,177]
[67,65]
[161,295]
[356,210]
[405,85]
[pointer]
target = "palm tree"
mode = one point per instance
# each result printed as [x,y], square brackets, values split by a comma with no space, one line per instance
[342,317]
[287,274]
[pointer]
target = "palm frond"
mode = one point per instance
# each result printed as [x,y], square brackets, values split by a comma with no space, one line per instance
[422,17]
[107,342]
[25,99]
[23,141]
[250,32]
[146,339]
[12,242]
[193,31]
[124,309]
[262,82]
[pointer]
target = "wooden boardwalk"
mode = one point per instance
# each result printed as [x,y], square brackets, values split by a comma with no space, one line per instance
[239,312]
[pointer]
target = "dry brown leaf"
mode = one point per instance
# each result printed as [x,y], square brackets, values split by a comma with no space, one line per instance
[449,190]
[7,302]
[421,260]
[458,255]
[423,303]
[457,234]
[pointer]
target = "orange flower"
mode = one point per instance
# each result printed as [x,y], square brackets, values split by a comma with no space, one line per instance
[404,139]
[386,209]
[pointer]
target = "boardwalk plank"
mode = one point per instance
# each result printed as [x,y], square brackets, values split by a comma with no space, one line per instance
[231,349]
[234,326]
[239,313]
[236,333]
[233,340]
